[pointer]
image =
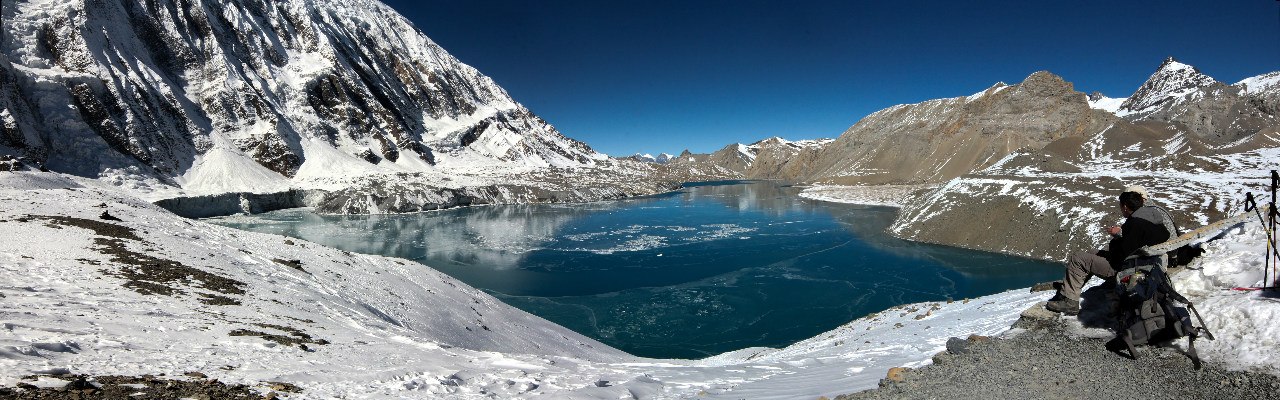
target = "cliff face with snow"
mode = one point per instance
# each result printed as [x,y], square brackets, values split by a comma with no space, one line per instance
[250,95]
[1197,144]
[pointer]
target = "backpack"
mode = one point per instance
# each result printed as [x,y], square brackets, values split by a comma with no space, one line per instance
[1150,313]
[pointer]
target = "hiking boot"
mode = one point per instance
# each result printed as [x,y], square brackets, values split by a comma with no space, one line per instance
[1065,306]
[1057,296]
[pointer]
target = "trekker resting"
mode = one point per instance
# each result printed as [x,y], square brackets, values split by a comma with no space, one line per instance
[1143,226]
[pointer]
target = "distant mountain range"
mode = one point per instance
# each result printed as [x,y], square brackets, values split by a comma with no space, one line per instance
[939,140]
[658,159]
[1034,165]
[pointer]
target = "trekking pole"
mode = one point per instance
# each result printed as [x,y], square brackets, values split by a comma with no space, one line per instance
[1275,181]
[1250,204]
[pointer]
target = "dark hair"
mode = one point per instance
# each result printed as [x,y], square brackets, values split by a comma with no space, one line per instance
[1132,200]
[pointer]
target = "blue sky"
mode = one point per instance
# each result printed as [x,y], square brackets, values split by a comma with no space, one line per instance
[664,76]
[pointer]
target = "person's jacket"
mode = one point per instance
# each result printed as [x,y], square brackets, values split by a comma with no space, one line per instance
[1145,227]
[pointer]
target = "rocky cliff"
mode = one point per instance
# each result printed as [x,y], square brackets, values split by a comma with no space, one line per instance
[211,96]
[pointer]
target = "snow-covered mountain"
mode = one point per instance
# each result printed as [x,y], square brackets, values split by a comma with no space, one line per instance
[769,158]
[938,140]
[215,96]
[1171,82]
[1099,101]
[1213,111]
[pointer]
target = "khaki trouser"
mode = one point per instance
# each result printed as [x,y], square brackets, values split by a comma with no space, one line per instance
[1080,267]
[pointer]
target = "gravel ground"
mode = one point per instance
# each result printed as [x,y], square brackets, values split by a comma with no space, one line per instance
[193,386]
[1047,362]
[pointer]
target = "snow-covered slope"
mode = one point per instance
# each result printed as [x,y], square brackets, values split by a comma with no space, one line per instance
[157,294]
[1050,202]
[1261,84]
[247,95]
[1098,101]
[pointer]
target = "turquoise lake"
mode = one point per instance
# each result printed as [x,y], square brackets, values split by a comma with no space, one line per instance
[714,267]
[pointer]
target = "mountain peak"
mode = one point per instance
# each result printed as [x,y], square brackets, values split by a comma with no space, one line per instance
[1173,80]
[1044,84]
[770,140]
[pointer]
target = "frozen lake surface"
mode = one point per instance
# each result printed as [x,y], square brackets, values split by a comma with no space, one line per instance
[713,268]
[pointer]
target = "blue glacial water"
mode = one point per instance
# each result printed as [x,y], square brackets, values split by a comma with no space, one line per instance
[712,268]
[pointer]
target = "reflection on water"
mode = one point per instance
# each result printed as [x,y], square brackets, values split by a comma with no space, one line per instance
[710,269]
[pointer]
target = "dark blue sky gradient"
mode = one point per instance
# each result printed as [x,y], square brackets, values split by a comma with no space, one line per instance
[663,76]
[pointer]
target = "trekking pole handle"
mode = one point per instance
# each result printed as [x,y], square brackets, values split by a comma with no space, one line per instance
[1275,181]
[1249,203]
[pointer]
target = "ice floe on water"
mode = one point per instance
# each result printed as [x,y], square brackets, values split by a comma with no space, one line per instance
[644,237]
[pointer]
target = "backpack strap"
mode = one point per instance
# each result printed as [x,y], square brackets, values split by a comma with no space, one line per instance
[1167,287]
[1191,351]
[1133,352]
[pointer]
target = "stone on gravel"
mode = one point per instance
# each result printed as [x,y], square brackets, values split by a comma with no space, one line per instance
[1036,317]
